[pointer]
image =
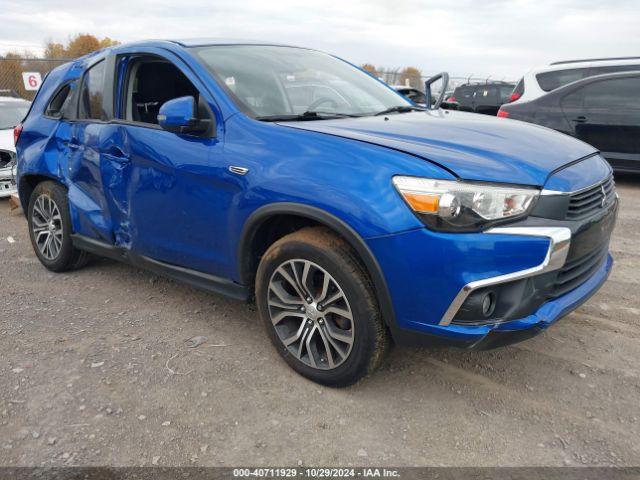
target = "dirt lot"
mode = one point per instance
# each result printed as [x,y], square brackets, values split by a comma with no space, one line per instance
[94,370]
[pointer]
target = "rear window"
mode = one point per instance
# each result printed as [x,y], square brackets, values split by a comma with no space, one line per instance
[551,80]
[463,92]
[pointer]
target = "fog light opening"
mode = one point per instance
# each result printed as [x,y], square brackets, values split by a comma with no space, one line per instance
[488,304]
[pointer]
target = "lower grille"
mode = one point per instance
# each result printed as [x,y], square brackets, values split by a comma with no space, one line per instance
[576,272]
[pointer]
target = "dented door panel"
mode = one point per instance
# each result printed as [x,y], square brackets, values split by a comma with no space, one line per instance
[173,201]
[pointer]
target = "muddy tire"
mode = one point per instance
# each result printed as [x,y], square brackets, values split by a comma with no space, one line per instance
[318,306]
[50,228]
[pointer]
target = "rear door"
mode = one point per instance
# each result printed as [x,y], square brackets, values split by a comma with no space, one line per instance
[90,134]
[609,117]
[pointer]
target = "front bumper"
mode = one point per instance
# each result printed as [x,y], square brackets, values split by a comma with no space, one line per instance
[429,275]
[7,182]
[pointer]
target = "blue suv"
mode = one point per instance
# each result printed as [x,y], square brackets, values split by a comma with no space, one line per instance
[290,177]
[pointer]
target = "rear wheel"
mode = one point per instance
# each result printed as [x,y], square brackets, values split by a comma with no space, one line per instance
[319,309]
[50,228]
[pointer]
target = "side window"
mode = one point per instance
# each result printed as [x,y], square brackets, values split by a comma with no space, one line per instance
[613,69]
[152,82]
[551,80]
[91,93]
[463,93]
[59,102]
[617,93]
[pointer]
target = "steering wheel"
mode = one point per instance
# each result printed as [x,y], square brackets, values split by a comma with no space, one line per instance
[321,101]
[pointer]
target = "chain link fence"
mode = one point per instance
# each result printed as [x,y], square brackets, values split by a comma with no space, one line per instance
[16,75]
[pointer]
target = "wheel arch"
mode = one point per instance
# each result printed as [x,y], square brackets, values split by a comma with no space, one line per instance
[257,236]
[28,183]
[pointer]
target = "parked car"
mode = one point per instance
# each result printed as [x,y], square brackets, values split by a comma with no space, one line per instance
[417,97]
[603,110]
[12,111]
[413,94]
[481,97]
[540,81]
[352,220]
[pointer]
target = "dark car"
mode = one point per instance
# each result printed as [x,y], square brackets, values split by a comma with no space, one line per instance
[413,94]
[603,110]
[481,97]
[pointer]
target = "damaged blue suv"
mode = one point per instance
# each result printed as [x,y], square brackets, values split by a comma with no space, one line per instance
[291,177]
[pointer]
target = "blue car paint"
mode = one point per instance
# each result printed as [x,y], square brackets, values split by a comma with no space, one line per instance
[177,112]
[482,149]
[171,197]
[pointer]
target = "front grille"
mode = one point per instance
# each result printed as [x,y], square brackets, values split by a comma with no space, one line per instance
[584,203]
[576,272]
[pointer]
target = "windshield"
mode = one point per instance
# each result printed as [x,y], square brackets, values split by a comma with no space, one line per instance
[12,113]
[270,81]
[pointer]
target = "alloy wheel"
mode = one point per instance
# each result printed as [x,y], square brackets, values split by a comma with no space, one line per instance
[46,223]
[311,314]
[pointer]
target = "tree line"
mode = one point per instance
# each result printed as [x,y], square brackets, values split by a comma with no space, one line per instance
[12,64]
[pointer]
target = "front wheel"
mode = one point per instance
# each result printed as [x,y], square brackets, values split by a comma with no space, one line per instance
[319,308]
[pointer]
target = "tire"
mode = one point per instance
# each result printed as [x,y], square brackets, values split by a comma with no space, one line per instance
[320,341]
[48,206]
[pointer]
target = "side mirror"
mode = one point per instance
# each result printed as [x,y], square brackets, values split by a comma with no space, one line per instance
[443,90]
[180,115]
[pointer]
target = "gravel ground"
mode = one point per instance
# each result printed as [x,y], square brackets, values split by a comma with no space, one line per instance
[94,370]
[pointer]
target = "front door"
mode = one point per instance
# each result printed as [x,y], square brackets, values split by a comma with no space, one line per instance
[173,187]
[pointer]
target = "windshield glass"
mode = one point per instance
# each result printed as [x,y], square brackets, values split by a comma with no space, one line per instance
[12,113]
[270,81]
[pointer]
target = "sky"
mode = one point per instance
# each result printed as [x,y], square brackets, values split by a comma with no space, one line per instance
[501,39]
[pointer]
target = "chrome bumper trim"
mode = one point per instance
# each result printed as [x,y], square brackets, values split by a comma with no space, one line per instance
[559,242]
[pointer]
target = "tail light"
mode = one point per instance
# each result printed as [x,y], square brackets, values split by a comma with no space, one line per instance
[451,100]
[514,96]
[17,130]
[503,113]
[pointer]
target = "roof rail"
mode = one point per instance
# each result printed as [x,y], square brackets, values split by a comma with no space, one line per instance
[594,60]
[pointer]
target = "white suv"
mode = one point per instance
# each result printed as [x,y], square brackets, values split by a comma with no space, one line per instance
[12,111]
[540,81]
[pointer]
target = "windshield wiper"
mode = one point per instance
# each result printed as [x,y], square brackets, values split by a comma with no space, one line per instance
[308,115]
[401,109]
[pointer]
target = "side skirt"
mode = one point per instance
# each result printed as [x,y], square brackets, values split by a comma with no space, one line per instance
[194,278]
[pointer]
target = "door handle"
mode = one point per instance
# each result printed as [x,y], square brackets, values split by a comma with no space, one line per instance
[580,119]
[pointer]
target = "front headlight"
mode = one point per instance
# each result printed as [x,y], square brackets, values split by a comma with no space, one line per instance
[463,207]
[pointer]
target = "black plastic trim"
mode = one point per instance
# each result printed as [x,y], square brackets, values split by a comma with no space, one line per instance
[195,278]
[262,214]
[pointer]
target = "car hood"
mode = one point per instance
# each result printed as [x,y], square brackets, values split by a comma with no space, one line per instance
[471,146]
[6,140]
